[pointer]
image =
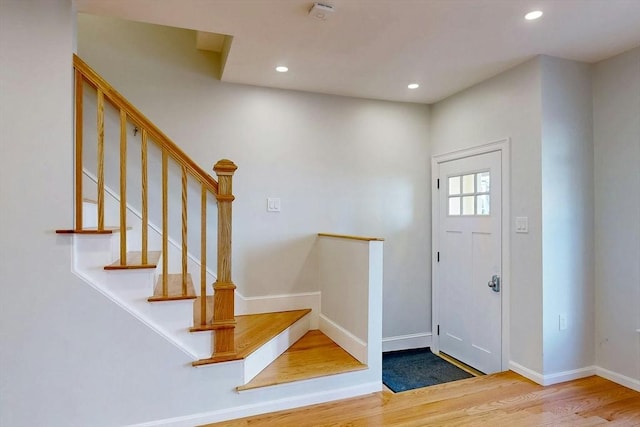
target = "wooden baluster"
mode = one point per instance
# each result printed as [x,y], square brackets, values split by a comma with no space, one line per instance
[223,311]
[165,224]
[100,160]
[145,200]
[203,257]
[184,231]
[123,187]
[79,129]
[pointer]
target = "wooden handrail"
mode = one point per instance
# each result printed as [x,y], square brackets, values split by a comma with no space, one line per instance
[349,237]
[95,80]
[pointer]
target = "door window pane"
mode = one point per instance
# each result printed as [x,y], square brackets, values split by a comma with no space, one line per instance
[468,182]
[469,194]
[483,205]
[454,205]
[454,185]
[483,182]
[468,205]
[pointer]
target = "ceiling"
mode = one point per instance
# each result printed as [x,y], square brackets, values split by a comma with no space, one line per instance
[375,48]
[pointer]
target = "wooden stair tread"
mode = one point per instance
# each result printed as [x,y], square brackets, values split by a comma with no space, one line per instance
[254,330]
[312,356]
[174,289]
[90,230]
[134,261]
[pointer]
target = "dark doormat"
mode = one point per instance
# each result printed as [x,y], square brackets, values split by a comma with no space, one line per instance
[408,369]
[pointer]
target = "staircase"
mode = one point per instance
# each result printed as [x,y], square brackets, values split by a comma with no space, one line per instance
[125,249]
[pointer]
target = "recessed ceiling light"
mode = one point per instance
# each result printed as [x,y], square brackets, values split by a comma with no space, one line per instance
[413,86]
[282,69]
[533,15]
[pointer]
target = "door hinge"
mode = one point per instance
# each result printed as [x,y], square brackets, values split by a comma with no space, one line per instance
[438,183]
[438,330]
[438,257]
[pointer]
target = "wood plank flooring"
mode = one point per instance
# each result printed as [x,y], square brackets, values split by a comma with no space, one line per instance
[504,399]
[314,355]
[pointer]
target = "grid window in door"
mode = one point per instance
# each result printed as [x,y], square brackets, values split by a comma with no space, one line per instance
[469,194]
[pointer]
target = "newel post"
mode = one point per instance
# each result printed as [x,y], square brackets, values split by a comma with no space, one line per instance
[223,290]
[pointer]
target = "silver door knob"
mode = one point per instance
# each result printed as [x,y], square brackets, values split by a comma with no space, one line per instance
[494,283]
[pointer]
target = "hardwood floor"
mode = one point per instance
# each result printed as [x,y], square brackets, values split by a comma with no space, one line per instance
[504,399]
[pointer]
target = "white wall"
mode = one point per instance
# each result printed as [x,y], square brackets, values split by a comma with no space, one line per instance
[567,212]
[616,109]
[339,165]
[508,106]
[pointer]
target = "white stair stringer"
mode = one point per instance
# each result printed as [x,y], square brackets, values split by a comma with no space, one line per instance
[130,290]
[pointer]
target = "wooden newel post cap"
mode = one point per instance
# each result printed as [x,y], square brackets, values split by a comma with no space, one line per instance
[225,167]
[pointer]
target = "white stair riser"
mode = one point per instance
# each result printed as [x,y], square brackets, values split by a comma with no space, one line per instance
[89,215]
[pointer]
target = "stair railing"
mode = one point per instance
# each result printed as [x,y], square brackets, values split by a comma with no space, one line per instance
[223,320]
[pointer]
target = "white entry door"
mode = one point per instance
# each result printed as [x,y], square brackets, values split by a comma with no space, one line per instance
[469,298]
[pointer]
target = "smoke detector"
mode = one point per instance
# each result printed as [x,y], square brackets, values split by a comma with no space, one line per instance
[321,11]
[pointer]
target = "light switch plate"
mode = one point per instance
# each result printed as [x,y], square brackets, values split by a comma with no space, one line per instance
[273,204]
[522,224]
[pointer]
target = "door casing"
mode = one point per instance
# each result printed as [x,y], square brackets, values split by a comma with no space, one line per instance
[502,146]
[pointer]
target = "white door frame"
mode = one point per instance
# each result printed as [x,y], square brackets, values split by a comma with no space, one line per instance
[502,146]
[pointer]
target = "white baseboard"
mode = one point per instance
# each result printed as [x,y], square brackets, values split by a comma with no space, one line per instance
[283,302]
[345,339]
[574,374]
[406,342]
[264,407]
[618,378]
[555,378]
[526,372]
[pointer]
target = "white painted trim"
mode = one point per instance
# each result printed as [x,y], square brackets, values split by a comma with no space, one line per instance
[632,383]
[526,372]
[264,407]
[503,146]
[282,302]
[471,151]
[406,342]
[345,339]
[555,378]
[574,374]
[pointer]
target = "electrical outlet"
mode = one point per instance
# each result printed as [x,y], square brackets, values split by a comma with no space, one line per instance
[562,322]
